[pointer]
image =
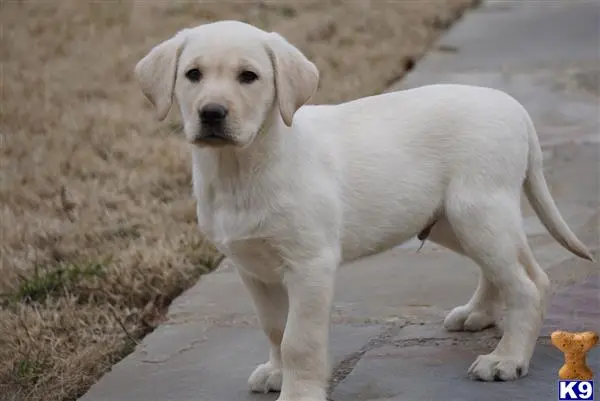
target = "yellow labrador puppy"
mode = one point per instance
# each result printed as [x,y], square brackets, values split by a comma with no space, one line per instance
[288,192]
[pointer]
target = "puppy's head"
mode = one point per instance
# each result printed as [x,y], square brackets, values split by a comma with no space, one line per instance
[226,77]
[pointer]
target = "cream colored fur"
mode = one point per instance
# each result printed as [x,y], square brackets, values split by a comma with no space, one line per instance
[298,190]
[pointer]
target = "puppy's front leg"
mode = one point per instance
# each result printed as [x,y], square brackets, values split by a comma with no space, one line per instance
[304,348]
[271,303]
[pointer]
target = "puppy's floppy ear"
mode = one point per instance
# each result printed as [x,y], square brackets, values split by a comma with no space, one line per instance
[296,78]
[156,73]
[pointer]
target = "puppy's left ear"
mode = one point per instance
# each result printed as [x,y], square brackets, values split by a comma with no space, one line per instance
[296,78]
[156,73]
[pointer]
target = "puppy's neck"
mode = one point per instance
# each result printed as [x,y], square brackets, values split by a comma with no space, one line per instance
[227,164]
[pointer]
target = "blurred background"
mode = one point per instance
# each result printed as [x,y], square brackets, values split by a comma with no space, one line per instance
[97,223]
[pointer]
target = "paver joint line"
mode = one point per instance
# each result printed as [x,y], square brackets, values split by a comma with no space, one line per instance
[177,352]
[345,367]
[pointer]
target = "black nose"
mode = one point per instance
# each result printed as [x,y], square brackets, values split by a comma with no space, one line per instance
[213,113]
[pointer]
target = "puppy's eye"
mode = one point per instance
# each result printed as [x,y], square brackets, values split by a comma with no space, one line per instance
[247,77]
[194,75]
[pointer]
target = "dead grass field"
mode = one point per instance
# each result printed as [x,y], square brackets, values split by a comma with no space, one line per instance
[97,223]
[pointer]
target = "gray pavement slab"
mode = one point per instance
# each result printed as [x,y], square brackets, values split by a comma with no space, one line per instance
[544,53]
[575,308]
[436,371]
[514,33]
[404,284]
[423,362]
[387,340]
[190,362]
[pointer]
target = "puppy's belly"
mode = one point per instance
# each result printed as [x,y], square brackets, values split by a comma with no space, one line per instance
[387,221]
[363,241]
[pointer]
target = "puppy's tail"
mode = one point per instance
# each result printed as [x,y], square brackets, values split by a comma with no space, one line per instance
[536,190]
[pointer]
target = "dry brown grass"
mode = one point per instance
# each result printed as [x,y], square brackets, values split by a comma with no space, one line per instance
[97,225]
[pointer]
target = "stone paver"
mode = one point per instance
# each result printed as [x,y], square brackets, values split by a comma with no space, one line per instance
[436,371]
[387,340]
[191,362]
[545,53]
[576,308]
[424,362]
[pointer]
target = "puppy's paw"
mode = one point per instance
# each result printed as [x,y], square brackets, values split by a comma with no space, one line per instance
[465,318]
[317,398]
[492,367]
[307,392]
[265,378]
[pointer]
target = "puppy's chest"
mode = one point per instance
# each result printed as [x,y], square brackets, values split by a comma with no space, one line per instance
[225,218]
[239,231]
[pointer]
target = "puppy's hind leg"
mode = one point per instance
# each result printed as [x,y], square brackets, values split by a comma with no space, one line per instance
[481,310]
[271,303]
[535,272]
[489,228]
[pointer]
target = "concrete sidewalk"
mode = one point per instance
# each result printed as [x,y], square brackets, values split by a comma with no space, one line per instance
[387,339]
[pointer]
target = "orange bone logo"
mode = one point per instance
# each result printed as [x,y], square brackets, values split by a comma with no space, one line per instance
[575,347]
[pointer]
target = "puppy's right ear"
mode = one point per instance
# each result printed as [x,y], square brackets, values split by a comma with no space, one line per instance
[157,71]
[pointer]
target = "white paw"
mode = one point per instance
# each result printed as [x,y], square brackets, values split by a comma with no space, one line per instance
[465,318]
[492,367]
[265,378]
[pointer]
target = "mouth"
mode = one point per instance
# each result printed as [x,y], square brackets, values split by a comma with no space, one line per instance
[212,140]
